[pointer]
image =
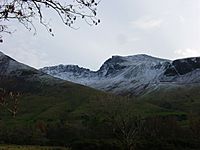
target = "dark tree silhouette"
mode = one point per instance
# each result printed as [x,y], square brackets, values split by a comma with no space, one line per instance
[9,101]
[24,11]
[120,118]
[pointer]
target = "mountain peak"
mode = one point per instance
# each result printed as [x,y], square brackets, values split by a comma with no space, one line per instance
[144,57]
[131,56]
[65,68]
[136,58]
[132,60]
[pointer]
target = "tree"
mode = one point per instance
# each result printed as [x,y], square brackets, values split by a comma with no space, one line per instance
[194,122]
[124,122]
[9,101]
[25,11]
[118,115]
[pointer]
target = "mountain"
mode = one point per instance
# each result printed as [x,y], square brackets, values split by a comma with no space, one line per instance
[51,111]
[133,75]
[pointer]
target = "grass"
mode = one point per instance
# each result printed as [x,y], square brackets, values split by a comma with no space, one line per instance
[50,102]
[17,147]
[184,99]
[62,99]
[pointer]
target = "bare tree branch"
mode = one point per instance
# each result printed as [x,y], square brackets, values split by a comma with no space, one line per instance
[24,11]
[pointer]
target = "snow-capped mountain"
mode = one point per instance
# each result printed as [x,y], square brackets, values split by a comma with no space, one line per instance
[132,74]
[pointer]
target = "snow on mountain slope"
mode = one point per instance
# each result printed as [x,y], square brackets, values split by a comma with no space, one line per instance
[132,74]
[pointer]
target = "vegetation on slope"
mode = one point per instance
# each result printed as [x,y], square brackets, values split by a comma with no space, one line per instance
[58,113]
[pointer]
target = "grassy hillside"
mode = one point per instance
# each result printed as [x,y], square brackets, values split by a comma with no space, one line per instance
[184,98]
[59,113]
[46,100]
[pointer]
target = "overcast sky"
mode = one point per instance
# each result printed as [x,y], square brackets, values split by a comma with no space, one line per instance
[163,28]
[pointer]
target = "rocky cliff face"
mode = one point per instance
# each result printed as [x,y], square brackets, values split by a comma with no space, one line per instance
[183,66]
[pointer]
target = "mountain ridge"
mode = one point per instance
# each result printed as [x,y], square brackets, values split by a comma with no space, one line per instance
[131,74]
